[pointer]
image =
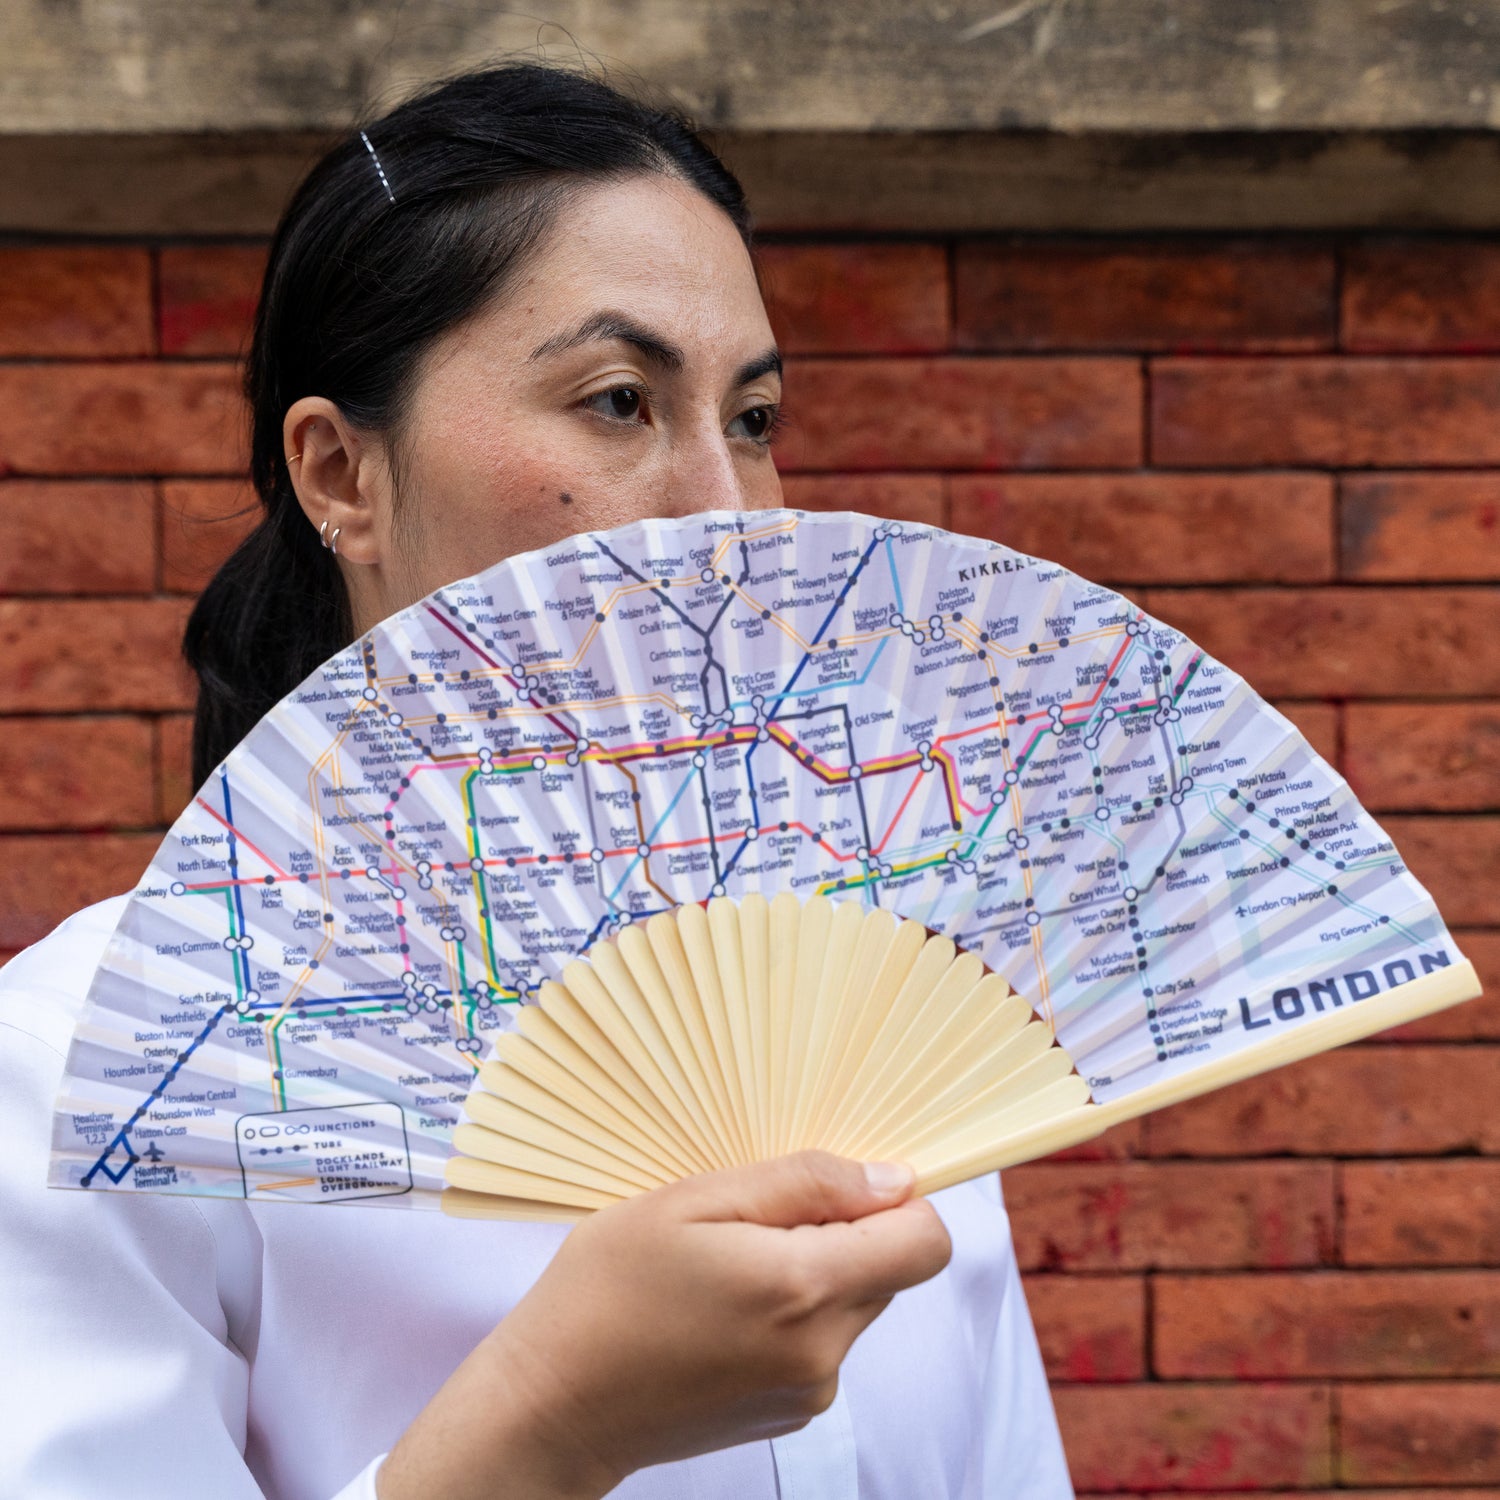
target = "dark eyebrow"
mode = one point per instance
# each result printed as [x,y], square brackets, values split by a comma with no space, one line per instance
[768,363]
[611,325]
[654,347]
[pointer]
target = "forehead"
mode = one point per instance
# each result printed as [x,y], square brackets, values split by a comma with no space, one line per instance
[652,246]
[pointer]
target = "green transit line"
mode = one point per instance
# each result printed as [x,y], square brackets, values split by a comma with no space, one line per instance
[481,904]
[239,987]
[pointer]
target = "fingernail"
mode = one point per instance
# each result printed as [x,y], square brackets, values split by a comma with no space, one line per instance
[888,1176]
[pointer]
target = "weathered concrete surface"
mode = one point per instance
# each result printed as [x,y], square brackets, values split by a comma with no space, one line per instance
[1119,66]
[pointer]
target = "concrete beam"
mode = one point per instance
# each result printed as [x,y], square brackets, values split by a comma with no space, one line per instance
[1121,67]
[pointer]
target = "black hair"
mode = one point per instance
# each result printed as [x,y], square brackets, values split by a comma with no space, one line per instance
[383,248]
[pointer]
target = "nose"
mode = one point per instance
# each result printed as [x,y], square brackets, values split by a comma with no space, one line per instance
[705,474]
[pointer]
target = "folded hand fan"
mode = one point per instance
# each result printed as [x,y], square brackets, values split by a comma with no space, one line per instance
[707,839]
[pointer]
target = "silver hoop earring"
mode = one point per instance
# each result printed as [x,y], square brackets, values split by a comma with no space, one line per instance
[333,541]
[323,533]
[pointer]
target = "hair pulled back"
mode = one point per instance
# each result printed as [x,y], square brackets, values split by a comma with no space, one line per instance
[365,272]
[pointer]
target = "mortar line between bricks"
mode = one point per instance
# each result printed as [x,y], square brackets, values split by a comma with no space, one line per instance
[1148,1328]
[158,537]
[1336,525]
[157,833]
[126,239]
[1147,436]
[1435,467]
[1339,1214]
[1335,1436]
[1340,250]
[1216,470]
[154,291]
[129,476]
[111,598]
[1390,1271]
[158,764]
[1352,586]
[155,361]
[1174,354]
[125,712]
[950,265]
[853,238]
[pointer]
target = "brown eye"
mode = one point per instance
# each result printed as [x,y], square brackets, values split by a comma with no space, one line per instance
[624,403]
[759,423]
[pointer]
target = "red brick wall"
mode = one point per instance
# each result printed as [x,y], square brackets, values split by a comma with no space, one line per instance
[1289,448]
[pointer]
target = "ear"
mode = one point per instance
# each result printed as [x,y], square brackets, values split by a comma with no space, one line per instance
[341,478]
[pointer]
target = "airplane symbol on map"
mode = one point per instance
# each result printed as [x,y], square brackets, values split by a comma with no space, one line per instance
[1239,911]
[153,1152]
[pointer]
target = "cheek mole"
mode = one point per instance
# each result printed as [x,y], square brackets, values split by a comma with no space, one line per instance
[565,497]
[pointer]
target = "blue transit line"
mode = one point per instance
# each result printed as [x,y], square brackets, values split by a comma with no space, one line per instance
[151,1098]
[355,998]
[890,553]
[791,682]
[604,921]
[241,962]
[822,629]
[242,966]
[842,682]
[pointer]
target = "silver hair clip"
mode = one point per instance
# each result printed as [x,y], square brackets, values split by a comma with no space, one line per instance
[374,158]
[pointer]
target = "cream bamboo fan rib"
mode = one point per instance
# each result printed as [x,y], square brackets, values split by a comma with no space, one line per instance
[708,838]
[712,1037]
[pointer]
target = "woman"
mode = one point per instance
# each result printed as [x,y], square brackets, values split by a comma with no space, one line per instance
[519,307]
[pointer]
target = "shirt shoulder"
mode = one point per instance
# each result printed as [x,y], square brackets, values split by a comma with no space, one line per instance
[43,988]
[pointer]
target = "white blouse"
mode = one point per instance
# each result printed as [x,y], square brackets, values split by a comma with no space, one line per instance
[205,1349]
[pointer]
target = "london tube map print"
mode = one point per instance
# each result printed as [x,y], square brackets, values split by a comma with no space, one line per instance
[307,978]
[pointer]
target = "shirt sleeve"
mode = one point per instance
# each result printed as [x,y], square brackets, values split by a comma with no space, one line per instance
[117,1372]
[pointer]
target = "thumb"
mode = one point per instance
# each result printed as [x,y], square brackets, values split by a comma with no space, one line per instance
[808,1187]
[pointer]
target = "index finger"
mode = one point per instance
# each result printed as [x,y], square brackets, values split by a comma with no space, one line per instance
[876,1256]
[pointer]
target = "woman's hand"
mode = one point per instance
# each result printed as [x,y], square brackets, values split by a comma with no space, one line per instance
[711,1312]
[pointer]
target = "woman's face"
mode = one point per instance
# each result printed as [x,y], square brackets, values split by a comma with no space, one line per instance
[629,371]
